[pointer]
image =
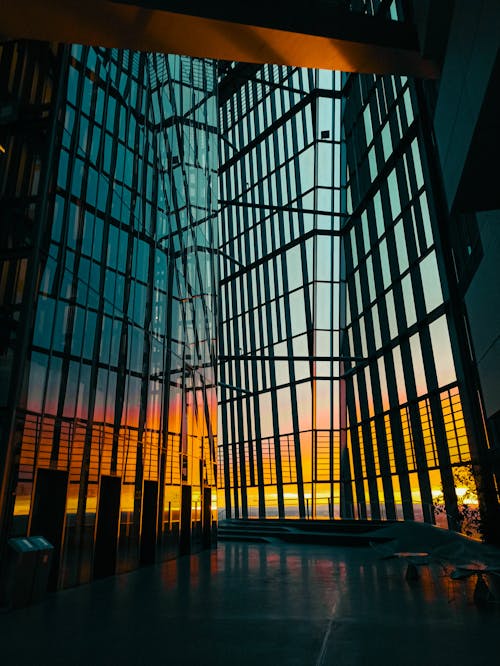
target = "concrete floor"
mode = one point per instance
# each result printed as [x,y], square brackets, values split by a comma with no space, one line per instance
[260,604]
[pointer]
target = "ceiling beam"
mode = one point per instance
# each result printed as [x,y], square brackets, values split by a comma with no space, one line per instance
[389,49]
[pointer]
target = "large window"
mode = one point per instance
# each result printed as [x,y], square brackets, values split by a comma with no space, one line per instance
[281,283]
[121,375]
[339,383]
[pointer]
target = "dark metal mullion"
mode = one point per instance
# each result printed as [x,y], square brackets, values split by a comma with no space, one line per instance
[356,450]
[408,375]
[307,296]
[417,433]
[225,339]
[334,326]
[137,193]
[395,417]
[351,398]
[238,286]
[266,269]
[236,463]
[18,138]
[167,372]
[368,444]
[29,66]
[432,382]
[345,485]
[249,342]
[71,303]
[252,298]
[288,332]
[380,430]
[231,440]
[441,441]
[225,440]
[89,430]
[272,377]
[288,327]
[124,346]
[234,406]
[346,481]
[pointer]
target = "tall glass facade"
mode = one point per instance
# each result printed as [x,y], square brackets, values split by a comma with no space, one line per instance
[411,418]
[116,415]
[406,425]
[340,368]
[282,411]
[159,212]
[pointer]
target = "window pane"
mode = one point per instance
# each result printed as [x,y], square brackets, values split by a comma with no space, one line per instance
[443,357]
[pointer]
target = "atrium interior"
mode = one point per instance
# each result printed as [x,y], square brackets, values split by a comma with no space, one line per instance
[250,294]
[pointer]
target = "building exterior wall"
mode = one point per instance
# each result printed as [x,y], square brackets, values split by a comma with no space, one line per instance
[117,397]
[466,131]
[482,298]
[465,118]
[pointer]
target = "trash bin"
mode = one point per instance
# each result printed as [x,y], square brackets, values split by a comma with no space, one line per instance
[44,551]
[20,572]
[27,571]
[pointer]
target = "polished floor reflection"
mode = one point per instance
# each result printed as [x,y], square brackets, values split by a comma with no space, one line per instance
[259,604]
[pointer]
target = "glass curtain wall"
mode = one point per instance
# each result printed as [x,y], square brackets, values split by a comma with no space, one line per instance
[332,305]
[406,426]
[408,442]
[30,73]
[281,398]
[118,402]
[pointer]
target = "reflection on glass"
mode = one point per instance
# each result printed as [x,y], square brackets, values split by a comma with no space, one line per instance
[121,378]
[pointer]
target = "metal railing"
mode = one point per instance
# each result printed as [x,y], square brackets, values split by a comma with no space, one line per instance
[325,509]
